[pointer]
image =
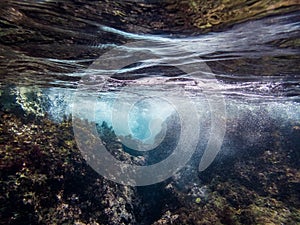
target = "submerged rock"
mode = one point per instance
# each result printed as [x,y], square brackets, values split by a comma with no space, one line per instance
[261,187]
[45,180]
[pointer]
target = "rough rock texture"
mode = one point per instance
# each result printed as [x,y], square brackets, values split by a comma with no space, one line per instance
[257,187]
[44,179]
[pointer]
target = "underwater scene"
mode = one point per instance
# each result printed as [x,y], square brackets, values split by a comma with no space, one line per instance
[150,112]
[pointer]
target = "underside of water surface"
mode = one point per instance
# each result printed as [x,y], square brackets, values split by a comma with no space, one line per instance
[147,112]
